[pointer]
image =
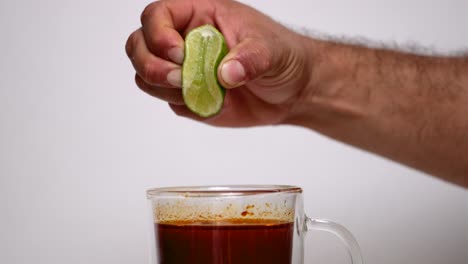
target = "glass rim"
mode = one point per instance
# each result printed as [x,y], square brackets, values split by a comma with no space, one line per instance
[221,190]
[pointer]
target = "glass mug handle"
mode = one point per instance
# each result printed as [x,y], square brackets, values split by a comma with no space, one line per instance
[341,232]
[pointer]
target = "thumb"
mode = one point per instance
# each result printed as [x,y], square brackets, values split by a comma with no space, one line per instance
[248,61]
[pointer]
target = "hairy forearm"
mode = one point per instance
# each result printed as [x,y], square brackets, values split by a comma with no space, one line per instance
[409,108]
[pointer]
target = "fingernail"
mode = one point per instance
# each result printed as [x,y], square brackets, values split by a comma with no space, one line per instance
[233,73]
[176,55]
[174,78]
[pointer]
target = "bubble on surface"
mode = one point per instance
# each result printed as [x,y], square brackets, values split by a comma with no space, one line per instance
[196,212]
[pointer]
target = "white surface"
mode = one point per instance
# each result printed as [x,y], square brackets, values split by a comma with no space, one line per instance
[79,143]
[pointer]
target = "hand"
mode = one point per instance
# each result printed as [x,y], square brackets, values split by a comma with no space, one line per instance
[264,72]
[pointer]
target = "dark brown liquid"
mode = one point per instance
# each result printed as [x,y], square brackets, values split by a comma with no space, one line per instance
[231,242]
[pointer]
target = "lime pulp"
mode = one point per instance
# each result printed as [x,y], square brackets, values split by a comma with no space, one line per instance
[205,47]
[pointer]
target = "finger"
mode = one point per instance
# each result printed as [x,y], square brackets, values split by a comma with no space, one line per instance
[172,96]
[182,110]
[249,60]
[161,21]
[217,120]
[153,70]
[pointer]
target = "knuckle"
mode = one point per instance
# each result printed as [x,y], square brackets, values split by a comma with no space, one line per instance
[257,59]
[152,74]
[150,10]
[176,110]
[148,72]
[180,110]
[177,113]
[158,39]
[130,44]
[147,13]
[139,82]
[154,44]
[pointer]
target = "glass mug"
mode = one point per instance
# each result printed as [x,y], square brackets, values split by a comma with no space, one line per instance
[234,224]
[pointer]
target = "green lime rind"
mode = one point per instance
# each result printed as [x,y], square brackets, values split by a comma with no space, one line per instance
[205,47]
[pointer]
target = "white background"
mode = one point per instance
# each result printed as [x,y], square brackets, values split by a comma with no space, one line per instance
[80,144]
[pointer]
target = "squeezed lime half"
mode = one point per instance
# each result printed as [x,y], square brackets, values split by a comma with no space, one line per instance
[205,47]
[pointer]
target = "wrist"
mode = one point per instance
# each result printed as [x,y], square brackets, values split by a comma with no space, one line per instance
[327,93]
[302,109]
